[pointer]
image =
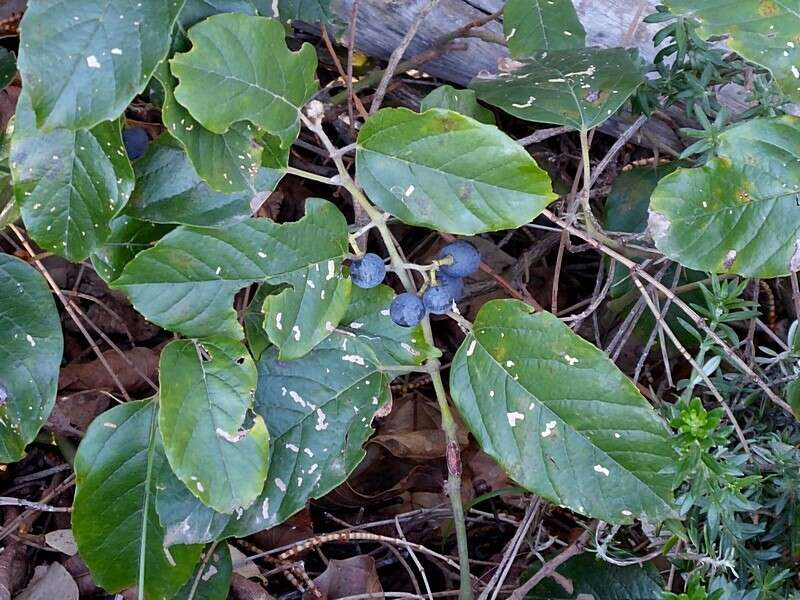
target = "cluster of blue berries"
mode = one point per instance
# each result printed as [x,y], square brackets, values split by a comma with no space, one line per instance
[460,259]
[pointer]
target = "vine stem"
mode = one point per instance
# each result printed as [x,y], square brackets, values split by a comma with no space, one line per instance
[433,366]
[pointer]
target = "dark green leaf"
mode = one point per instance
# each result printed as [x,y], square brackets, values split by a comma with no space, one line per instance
[460,101]
[579,88]
[30,355]
[762,31]
[68,184]
[445,171]
[212,578]
[114,519]
[128,238]
[206,392]
[186,283]
[254,332]
[169,190]
[310,11]
[197,10]
[531,25]
[369,336]
[319,412]
[230,162]
[83,64]
[245,61]
[739,212]
[8,67]
[559,417]
[367,318]
[601,580]
[183,517]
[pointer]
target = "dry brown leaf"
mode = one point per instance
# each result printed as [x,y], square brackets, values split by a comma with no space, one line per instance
[349,577]
[49,582]
[94,376]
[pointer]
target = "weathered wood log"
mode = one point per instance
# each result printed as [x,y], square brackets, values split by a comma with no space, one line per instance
[381,25]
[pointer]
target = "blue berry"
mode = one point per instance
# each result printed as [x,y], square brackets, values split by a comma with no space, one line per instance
[407,309]
[453,285]
[135,140]
[466,259]
[367,271]
[438,299]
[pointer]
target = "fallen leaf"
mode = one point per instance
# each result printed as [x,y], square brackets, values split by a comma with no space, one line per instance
[62,540]
[94,376]
[48,582]
[349,577]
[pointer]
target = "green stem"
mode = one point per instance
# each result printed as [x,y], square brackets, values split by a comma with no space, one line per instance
[592,226]
[433,366]
[453,457]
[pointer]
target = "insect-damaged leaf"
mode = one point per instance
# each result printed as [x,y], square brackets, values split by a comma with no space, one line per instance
[445,171]
[82,63]
[195,11]
[559,416]
[347,392]
[68,184]
[739,212]
[255,78]
[30,355]
[169,190]
[531,25]
[128,237]
[319,411]
[206,392]
[310,11]
[212,577]
[187,281]
[762,31]
[241,159]
[460,101]
[114,518]
[580,88]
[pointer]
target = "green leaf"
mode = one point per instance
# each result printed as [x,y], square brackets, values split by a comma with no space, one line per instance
[310,11]
[206,392]
[367,319]
[187,281]
[82,65]
[762,31]
[113,514]
[531,25]
[738,213]
[445,171]
[579,88]
[197,10]
[212,578]
[128,237]
[302,315]
[169,190]
[184,518]
[460,101]
[595,578]
[228,162]
[626,210]
[253,322]
[319,412]
[370,335]
[8,67]
[30,355]
[254,76]
[68,184]
[559,417]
